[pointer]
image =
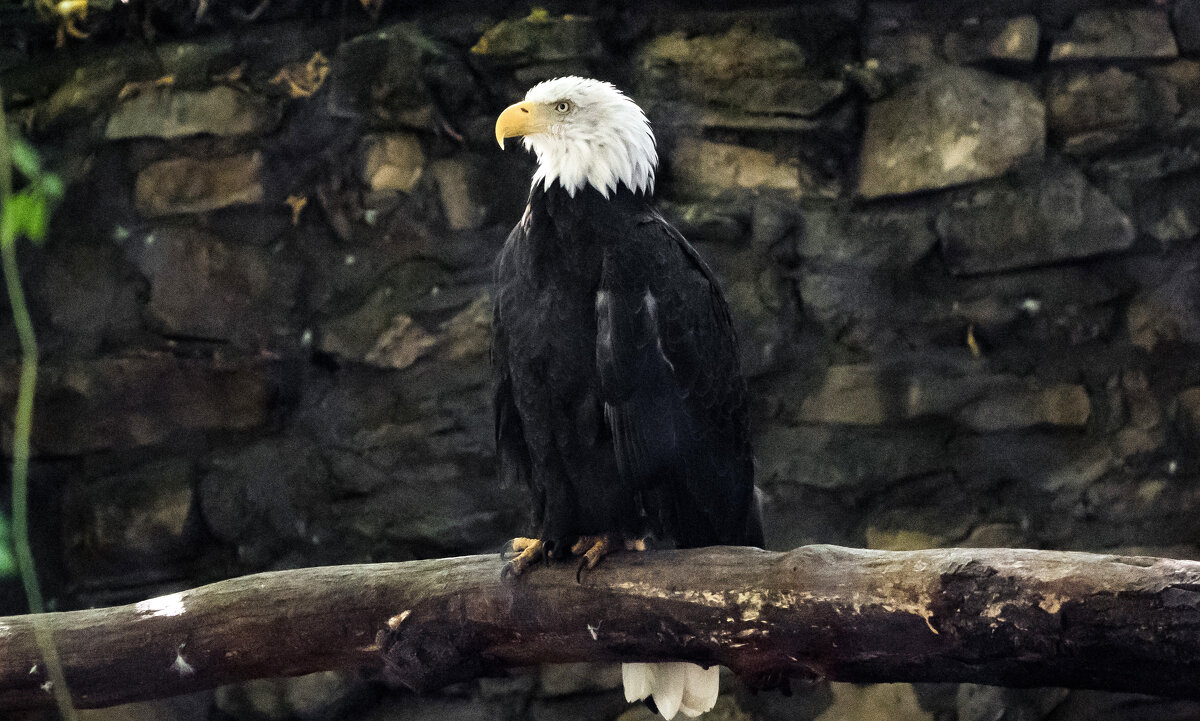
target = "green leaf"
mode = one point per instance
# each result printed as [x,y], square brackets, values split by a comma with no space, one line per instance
[26,215]
[11,217]
[17,213]
[25,158]
[52,185]
[35,219]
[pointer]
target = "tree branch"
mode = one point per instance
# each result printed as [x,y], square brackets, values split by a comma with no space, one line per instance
[992,616]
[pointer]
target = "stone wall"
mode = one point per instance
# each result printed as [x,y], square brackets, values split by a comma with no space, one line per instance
[960,240]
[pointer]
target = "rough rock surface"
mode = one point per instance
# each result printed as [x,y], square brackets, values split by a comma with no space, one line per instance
[1059,217]
[136,524]
[1185,17]
[873,239]
[864,395]
[136,402]
[704,167]
[1013,40]
[538,38]
[950,126]
[245,292]
[221,111]
[377,77]
[1090,110]
[743,78]
[1116,34]
[393,162]
[194,185]
[459,182]
[1170,209]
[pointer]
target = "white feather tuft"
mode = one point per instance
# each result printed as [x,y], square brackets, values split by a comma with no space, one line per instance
[675,687]
[636,678]
[669,679]
[700,689]
[605,141]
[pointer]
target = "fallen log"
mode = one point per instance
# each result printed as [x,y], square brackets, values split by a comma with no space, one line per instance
[991,616]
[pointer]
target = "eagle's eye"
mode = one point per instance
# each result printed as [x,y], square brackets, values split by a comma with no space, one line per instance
[563,106]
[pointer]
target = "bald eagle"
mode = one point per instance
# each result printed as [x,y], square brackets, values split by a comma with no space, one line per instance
[619,398]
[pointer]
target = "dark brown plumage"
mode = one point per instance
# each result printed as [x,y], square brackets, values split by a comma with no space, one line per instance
[619,397]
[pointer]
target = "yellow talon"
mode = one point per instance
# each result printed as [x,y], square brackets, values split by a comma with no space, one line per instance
[520,544]
[66,13]
[529,551]
[592,549]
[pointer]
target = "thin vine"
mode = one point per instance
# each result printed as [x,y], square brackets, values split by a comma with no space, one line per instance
[25,214]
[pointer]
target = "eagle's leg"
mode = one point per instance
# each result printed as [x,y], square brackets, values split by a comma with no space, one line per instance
[517,545]
[592,549]
[529,551]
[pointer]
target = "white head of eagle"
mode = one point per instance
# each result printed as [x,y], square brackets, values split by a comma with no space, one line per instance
[584,132]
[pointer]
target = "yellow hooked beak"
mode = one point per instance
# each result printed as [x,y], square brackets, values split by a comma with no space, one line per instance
[522,118]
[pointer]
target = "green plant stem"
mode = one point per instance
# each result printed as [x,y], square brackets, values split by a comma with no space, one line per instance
[22,429]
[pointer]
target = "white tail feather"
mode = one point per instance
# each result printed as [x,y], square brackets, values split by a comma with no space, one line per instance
[635,677]
[667,688]
[700,689]
[675,686]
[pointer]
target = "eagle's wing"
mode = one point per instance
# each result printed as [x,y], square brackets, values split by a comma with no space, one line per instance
[512,451]
[675,398]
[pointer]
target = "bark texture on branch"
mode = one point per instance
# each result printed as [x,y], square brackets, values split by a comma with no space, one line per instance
[992,616]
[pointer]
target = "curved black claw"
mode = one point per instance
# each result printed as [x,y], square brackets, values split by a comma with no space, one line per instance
[507,572]
[592,550]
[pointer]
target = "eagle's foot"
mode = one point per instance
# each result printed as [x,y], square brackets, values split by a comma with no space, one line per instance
[529,551]
[593,549]
[516,546]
